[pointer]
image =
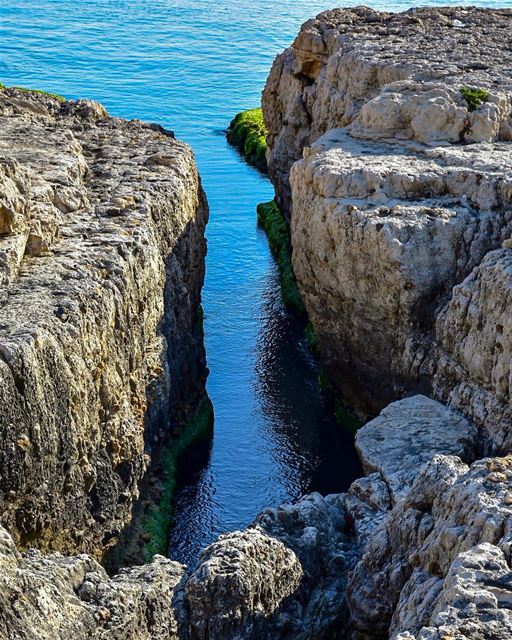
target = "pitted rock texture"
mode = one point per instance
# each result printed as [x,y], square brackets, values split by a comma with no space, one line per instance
[474,601]
[415,574]
[240,584]
[406,435]
[391,73]
[397,191]
[474,361]
[101,268]
[54,597]
[321,535]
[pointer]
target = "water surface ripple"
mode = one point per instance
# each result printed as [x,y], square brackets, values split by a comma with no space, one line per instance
[191,66]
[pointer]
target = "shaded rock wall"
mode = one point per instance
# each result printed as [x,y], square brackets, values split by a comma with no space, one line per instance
[101,268]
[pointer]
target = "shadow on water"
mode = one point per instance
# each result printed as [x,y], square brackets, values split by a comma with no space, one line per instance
[275,435]
[311,449]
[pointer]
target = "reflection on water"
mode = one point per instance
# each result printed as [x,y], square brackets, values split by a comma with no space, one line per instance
[275,438]
[191,66]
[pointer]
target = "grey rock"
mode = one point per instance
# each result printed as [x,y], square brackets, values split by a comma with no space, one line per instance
[388,211]
[398,584]
[347,64]
[406,435]
[240,584]
[54,597]
[474,364]
[320,532]
[474,601]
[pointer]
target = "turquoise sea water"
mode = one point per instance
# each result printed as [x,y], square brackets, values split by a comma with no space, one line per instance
[191,66]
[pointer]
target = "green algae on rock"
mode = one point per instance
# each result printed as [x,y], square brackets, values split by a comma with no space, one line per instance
[276,228]
[159,516]
[247,131]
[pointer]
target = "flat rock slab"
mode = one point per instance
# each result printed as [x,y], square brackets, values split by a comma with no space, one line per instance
[406,435]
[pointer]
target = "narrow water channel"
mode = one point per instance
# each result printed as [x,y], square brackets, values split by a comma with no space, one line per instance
[275,437]
[191,66]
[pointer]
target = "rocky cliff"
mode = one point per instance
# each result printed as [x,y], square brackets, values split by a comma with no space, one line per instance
[390,150]
[101,267]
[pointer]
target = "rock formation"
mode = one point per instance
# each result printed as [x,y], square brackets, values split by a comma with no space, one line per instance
[101,268]
[390,150]
[49,597]
[409,552]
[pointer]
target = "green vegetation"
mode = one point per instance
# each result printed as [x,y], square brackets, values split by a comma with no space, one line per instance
[343,417]
[324,383]
[474,97]
[40,91]
[247,131]
[159,517]
[276,227]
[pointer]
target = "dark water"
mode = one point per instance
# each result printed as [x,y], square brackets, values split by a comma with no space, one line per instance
[191,66]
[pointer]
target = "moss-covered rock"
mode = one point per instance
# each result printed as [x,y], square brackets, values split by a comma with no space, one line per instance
[276,227]
[38,91]
[248,133]
[159,516]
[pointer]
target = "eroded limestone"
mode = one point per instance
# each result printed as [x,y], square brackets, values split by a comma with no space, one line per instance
[101,267]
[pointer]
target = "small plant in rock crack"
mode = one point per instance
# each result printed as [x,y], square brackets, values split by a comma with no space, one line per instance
[474,97]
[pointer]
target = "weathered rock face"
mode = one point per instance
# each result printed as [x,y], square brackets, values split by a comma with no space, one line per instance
[412,573]
[398,193]
[475,334]
[49,597]
[390,73]
[101,267]
[410,551]
[438,508]
[401,193]
[406,435]
[239,586]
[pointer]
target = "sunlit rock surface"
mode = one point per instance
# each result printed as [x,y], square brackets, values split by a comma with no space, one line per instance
[101,267]
[398,187]
[395,177]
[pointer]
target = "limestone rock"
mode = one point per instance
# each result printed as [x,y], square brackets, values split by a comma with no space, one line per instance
[410,560]
[395,73]
[382,233]
[398,186]
[474,367]
[101,268]
[49,597]
[240,584]
[406,435]
[320,533]
[474,601]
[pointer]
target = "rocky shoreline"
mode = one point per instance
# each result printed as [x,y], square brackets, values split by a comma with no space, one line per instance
[395,181]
